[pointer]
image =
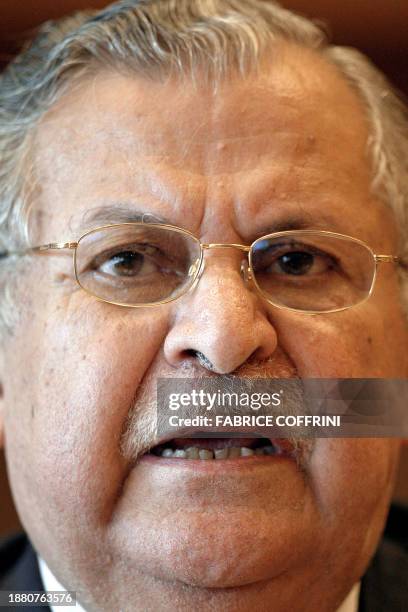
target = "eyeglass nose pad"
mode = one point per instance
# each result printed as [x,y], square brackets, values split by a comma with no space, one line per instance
[193,268]
[245,271]
[196,269]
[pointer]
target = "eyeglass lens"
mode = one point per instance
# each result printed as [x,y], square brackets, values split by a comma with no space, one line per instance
[145,264]
[136,264]
[313,272]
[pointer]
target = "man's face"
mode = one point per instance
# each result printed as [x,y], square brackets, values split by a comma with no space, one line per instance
[285,147]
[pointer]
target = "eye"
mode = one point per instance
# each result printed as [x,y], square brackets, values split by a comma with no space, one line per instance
[127,262]
[296,260]
[300,263]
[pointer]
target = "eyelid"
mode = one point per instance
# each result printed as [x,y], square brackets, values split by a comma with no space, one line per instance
[124,249]
[295,248]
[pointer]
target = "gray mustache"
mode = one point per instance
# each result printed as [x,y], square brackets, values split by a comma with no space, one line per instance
[139,433]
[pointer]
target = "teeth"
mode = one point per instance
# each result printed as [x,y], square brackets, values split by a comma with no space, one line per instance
[205,454]
[221,453]
[234,452]
[192,452]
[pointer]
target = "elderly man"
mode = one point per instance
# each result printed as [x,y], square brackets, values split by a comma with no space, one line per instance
[134,139]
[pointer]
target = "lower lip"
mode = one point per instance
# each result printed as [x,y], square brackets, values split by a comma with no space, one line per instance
[216,465]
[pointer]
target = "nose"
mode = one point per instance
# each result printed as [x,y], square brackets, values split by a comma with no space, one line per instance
[221,321]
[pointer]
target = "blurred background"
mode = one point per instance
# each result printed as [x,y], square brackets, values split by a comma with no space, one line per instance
[376,27]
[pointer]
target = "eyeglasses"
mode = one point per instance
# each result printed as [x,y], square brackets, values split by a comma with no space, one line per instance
[147,264]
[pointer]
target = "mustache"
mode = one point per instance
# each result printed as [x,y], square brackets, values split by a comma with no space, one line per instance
[139,433]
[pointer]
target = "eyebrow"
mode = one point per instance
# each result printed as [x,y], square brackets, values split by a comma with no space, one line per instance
[114,213]
[290,224]
[303,221]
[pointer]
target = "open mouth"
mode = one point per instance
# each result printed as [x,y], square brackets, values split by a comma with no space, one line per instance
[207,449]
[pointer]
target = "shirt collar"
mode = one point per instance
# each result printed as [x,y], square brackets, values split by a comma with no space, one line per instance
[51,584]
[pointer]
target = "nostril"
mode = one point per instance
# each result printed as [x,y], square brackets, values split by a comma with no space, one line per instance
[201,358]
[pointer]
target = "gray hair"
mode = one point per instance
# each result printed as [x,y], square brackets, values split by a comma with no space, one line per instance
[163,37]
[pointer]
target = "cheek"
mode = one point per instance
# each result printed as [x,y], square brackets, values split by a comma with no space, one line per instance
[353,482]
[360,343]
[353,472]
[68,412]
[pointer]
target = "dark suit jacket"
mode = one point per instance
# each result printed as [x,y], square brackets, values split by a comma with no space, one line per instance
[384,587]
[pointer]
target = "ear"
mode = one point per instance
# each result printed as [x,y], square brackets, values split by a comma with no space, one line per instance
[2,397]
[1,416]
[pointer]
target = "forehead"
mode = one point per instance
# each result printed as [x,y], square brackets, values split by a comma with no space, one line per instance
[294,135]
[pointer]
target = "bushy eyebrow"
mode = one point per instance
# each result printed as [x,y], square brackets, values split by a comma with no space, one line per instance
[292,223]
[301,220]
[113,213]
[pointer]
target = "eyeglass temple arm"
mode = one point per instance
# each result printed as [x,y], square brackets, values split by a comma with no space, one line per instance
[39,249]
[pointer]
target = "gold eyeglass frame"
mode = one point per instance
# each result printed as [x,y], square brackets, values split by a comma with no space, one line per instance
[196,273]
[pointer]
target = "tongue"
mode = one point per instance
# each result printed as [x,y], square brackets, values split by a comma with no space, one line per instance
[212,443]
